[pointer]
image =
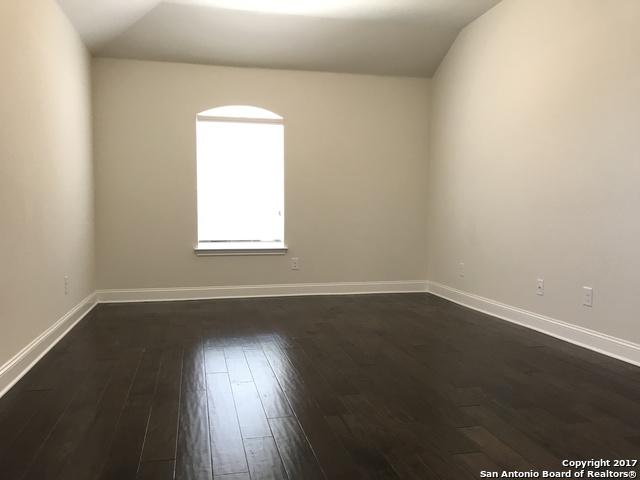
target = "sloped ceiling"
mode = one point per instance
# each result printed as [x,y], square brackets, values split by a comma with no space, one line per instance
[390,37]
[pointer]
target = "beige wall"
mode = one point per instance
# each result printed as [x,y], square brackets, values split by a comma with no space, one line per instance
[535,160]
[46,186]
[355,174]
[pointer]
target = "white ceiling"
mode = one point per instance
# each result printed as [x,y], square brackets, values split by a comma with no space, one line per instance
[392,37]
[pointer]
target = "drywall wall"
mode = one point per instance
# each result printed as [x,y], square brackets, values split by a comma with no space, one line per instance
[46,175]
[355,168]
[535,161]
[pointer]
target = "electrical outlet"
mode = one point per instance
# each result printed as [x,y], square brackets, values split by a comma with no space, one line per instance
[587,296]
[461,269]
[540,287]
[295,263]
[66,285]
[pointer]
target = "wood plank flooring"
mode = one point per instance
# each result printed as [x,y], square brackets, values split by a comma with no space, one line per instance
[347,387]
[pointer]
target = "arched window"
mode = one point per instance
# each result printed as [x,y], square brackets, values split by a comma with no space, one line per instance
[240,156]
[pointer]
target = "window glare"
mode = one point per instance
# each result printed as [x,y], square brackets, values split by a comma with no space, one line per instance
[241,111]
[240,180]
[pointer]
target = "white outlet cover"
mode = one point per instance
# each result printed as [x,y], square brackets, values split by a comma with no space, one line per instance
[587,296]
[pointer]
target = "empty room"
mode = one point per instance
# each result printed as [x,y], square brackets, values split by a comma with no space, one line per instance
[319,239]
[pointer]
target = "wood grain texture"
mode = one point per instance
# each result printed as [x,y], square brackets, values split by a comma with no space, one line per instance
[347,387]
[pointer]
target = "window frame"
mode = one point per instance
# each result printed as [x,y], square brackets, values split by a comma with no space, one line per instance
[232,248]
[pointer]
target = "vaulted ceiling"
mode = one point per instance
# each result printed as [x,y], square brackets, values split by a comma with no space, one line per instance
[390,37]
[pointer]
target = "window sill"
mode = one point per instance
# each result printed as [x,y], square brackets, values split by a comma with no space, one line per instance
[205,249]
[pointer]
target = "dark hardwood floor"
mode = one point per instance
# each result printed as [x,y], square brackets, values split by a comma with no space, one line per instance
[337,387]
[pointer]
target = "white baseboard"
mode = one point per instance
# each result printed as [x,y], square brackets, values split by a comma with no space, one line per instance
[583,337]
[25,359]
[247,291]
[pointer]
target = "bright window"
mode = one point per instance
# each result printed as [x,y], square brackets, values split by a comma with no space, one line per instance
[240,152]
